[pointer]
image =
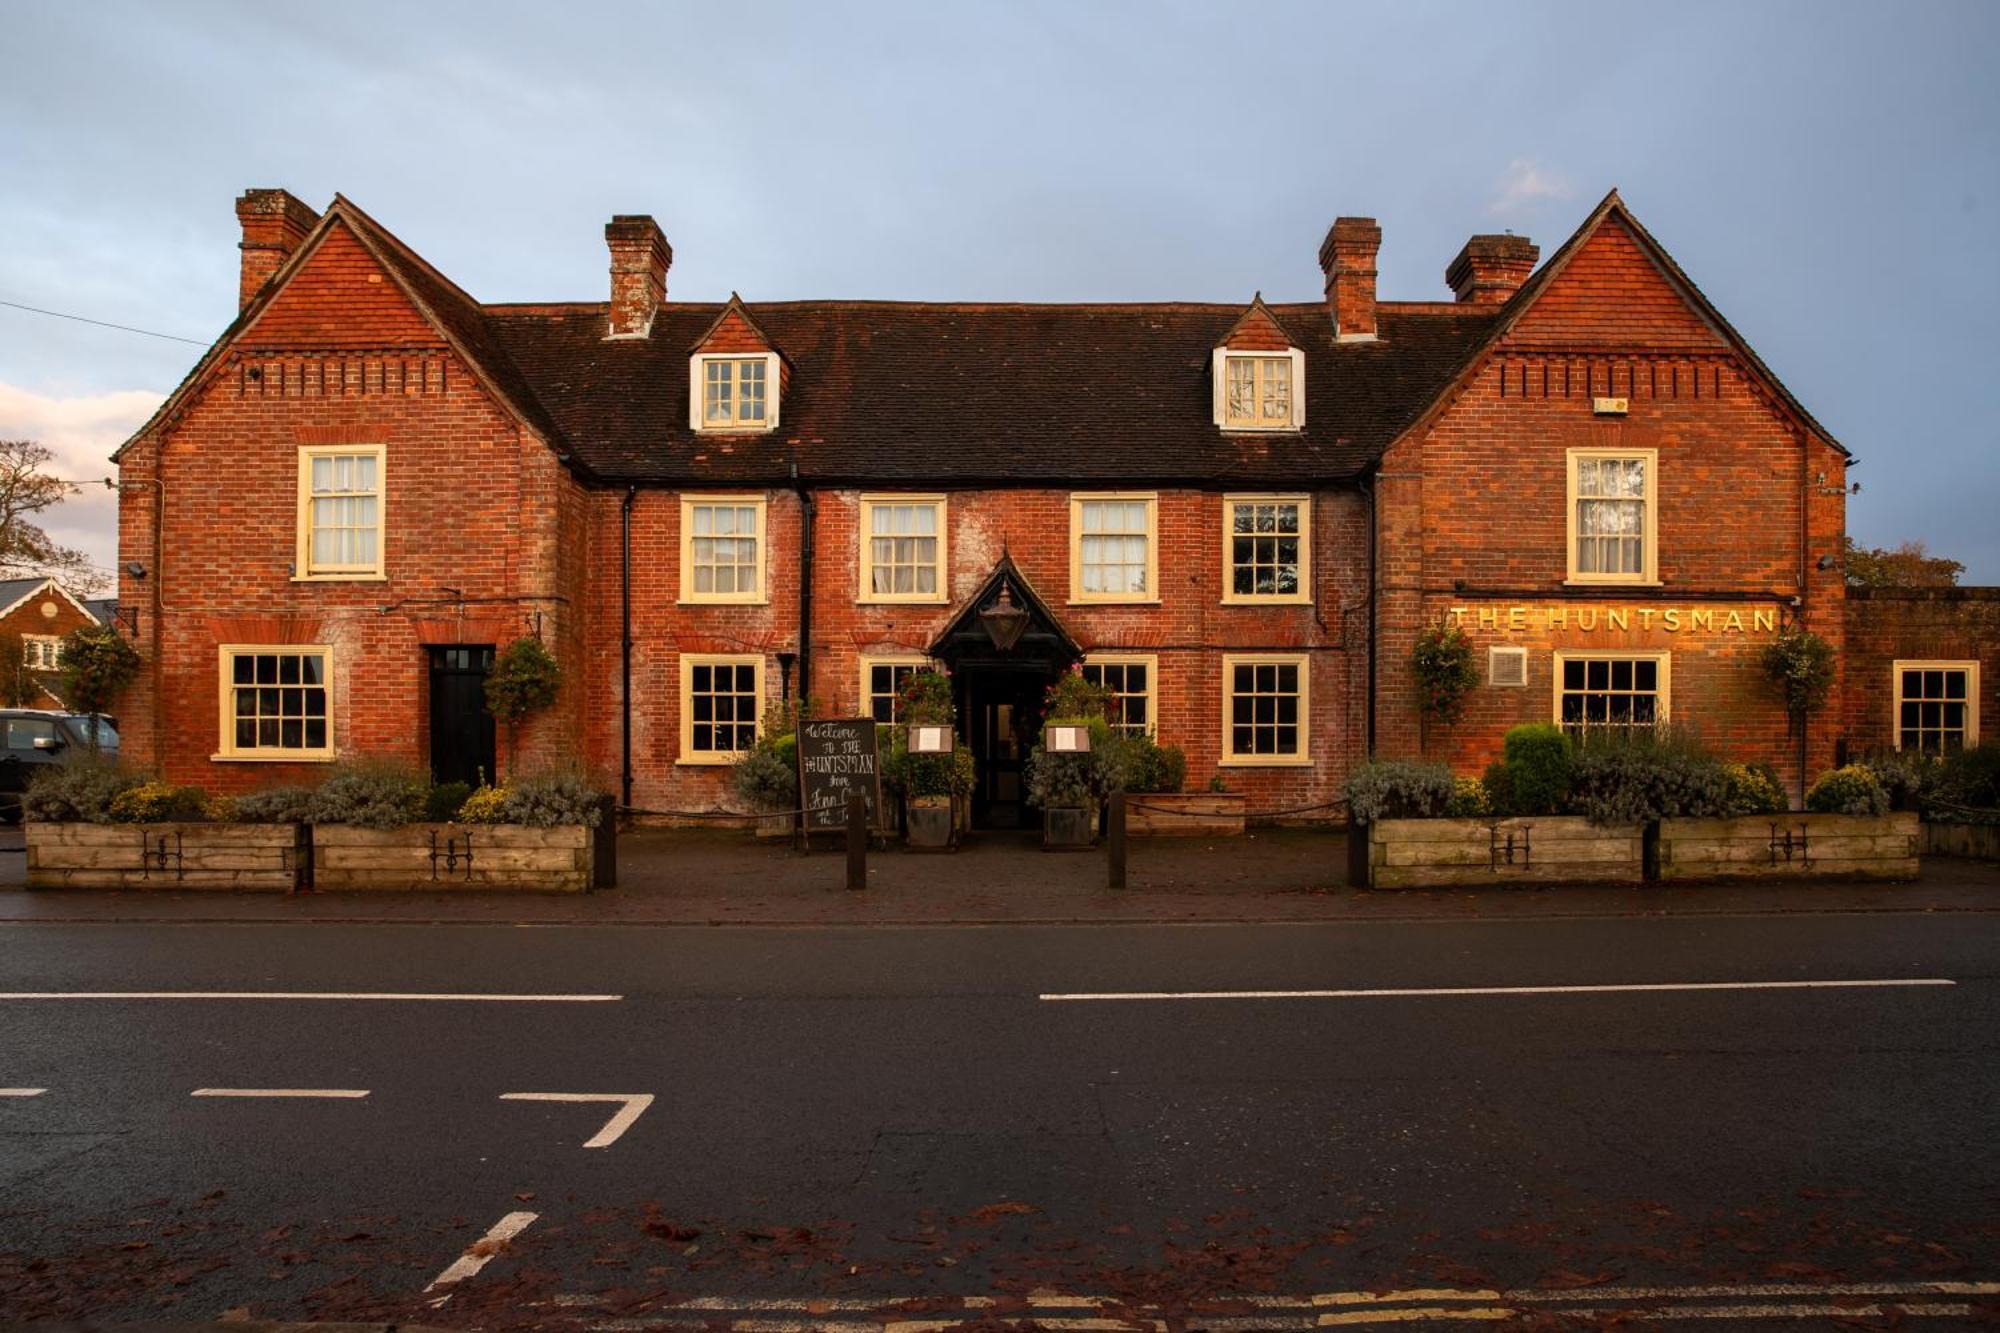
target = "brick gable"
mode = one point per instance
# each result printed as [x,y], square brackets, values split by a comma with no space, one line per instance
[1611,294]
[340,297]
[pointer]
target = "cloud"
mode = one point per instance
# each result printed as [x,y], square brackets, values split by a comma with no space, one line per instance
[81,431]
[1527,183]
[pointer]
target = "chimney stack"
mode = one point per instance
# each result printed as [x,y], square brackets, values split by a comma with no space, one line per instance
[640,257]
[1347,257]
[1490,269]
[274,222]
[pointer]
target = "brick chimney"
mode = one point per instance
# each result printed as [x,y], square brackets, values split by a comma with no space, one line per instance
[1491,268]
[1347,257]
[640,257]
[274,222]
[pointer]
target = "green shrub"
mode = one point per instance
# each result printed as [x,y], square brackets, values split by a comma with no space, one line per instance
[1468,799]
[1970,779]
[1752,789]
[1909,776]
[545,800]
[441,802]
[81,790]
[1075,699]
[767,774]
[486,805]
[157,802]
[925,697]
[275,805]
[1398,789]
[1148,766]
[1848,791]
[1641,778]
[1537,757]
[1799,664]
[97,664]
[370,794]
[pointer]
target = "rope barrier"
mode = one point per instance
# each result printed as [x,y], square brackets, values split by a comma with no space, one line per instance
[708,814]
[1247,814]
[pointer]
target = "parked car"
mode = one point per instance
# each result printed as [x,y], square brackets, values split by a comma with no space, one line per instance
[33,738]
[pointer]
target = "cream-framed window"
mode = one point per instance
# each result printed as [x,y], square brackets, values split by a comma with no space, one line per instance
[342,508]
[882,677]
[1612,694]
[1266,710]
[1614,515]
[1266,548]
[723,551]
[734,392]
[722,698]
[1259,390]
[41,652]
[275,702]
[1114,547]
[1134,678]
[903,549]
[1936,705]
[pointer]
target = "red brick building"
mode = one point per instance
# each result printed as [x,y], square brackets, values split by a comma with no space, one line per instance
[1239,516]
[43,613]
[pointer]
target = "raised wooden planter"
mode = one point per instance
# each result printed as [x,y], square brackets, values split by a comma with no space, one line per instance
[453,856]
[1790,846]
[1420,853]
[1184,814]
[1975,840]
[246,857]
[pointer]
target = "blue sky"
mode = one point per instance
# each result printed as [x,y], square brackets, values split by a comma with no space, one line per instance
[1829,173]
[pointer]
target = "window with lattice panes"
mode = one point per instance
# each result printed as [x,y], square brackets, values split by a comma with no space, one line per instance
[721,701]
[902,552]
[1259,391]
[722,549]
[1611,520]
[1610,696]
[274,703]
[1266,544]
[1131,681]
[1264,709]
[1937,706]
[1113,548]
[340,513]
[882,683]
[41,652]
[733,391]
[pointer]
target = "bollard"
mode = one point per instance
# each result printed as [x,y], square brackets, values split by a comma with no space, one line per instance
[1114,839]
[857,840]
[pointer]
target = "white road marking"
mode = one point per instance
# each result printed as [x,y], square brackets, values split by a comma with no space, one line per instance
[478,1254]
[22,1092]
[1407,992]
[348,1093]
[1416,1314]
[441,996]
[635,1106]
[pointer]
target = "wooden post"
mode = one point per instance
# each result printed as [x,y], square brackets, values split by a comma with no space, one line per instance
[857,840]
[1114,839]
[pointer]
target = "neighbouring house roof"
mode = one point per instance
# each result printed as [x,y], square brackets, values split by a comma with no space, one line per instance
[13,592]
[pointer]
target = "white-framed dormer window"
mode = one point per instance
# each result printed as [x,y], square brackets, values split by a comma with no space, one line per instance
[733,392]
[1260,390]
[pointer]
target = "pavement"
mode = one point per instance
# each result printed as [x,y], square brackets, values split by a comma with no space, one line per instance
[1775,1120]
[676,877]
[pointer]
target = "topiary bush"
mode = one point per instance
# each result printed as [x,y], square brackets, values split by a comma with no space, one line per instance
[370,794]
[1640,779]
[1848,791]
[155,802]
[1535,765]
[1398,789]
[79,791]
[275,805]
[1752,789]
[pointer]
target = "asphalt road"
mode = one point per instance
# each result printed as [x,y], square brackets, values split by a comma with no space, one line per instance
[859,1118]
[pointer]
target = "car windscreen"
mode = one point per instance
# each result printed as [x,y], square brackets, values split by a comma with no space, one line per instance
[81,727]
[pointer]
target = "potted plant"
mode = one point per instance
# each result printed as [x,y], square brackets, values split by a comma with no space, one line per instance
[767,776]
[933,786]
[1070,785]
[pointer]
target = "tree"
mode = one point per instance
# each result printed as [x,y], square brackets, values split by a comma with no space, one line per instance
[97,665]
[1906,566]
[18,687]
[26,489]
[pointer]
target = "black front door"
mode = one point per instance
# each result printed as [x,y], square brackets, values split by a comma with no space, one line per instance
[461,728]
[1003,710]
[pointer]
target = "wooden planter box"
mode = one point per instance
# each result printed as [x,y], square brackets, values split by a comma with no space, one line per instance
[1184,814]
[1420,853]
[453,856]
[263,858]
[1880,847]
[1975,840]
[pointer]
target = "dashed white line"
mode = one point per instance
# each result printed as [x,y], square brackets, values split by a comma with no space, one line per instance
[347,1093]
[438,996]
[480,1253]
[1411,992]
[22,1092]
[635,1106]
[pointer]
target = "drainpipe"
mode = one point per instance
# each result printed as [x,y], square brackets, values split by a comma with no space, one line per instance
[1374,598]
[808,510]
[625,636]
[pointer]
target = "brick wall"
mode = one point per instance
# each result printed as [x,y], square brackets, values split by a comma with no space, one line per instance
[1885,625]
[32,618]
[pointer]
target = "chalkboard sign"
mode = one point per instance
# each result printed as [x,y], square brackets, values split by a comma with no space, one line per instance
[836,756]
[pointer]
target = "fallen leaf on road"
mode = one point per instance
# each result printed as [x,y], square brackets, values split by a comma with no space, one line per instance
[1562,1279]
[987,1212]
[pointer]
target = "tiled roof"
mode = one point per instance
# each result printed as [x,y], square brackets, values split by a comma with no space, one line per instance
[964,394]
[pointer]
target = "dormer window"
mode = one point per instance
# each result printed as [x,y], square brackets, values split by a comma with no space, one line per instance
[1259,390]
[735,393]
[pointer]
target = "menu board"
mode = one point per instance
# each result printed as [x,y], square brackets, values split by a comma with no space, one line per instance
[837,755]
